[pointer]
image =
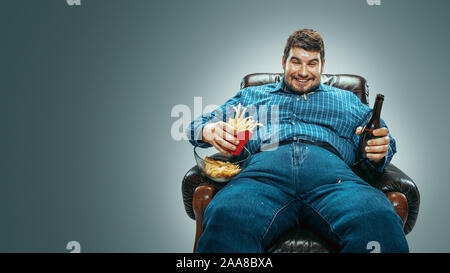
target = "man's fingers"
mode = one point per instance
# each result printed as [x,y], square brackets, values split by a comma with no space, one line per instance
[220,149]
[226,135]
[225,145]
[377,149]
[380,132]
[229,129]
[379,141]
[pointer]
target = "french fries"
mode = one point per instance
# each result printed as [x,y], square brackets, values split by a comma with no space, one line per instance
[220,169]
[240,123]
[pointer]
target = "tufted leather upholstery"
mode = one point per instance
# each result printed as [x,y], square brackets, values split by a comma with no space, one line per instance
[198,190]
[353,83]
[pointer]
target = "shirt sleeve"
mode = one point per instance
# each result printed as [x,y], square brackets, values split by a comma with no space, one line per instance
[222,113]
[392,144]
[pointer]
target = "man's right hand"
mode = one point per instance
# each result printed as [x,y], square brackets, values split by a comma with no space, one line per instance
[221,135]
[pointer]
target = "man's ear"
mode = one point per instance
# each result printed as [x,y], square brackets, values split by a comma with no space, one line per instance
[283,63]
[322,66]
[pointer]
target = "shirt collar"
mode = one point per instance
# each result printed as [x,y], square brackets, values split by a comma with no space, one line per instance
[280,84]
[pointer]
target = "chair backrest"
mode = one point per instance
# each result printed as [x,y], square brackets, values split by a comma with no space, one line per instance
[354,83]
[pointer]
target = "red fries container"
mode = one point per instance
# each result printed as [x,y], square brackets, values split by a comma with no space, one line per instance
[243,137]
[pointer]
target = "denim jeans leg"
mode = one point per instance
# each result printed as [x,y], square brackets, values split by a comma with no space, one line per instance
[240,216]
[253,209]
[355,216]
[344,208]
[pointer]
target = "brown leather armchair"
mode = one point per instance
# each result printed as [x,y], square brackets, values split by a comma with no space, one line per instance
[198,190]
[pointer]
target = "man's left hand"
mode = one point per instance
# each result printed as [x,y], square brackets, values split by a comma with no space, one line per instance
[377,148]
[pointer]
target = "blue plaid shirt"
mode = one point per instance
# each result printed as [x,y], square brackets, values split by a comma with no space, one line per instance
[328,115]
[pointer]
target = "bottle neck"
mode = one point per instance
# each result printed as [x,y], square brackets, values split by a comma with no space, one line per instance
[374,121]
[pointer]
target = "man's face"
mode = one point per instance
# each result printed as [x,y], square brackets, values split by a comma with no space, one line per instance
[302,70]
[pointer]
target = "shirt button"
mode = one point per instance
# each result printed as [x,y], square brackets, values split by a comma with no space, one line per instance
[294,138]
[293,123]
[298,98]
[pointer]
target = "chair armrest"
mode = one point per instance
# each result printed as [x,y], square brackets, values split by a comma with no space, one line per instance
[191,181]
[198,191]
[202,196]
[393,180]
[400,204]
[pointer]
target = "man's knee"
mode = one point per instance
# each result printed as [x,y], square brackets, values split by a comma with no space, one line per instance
[376,219]
[216,211]
[227,215]
[227,228]
[234,209]
[380,227]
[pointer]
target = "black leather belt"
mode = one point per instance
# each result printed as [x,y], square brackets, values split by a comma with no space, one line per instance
[324,145]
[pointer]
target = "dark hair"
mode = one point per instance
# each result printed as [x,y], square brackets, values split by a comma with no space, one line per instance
[307,39]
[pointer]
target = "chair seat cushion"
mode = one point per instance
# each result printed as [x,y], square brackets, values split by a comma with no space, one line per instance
[301,239]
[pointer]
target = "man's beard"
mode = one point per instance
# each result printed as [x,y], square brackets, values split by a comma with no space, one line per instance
[290,88]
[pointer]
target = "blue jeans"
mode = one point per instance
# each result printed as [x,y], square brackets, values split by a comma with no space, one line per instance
[299,183]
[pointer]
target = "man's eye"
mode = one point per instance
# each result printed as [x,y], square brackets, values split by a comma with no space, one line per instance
[313,64]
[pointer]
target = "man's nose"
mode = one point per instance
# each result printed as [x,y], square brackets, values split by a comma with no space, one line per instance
[303,71]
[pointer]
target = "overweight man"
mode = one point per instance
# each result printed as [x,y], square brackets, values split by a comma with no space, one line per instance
[307,178]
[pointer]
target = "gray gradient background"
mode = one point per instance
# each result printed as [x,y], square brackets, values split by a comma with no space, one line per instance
[87,93]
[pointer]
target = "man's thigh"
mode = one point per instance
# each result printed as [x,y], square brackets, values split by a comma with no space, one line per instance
[247,211]
[352,214]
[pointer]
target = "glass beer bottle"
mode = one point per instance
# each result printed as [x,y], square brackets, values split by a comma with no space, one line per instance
[372,124]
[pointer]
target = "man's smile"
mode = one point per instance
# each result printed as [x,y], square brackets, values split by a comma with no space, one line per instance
[303,82]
